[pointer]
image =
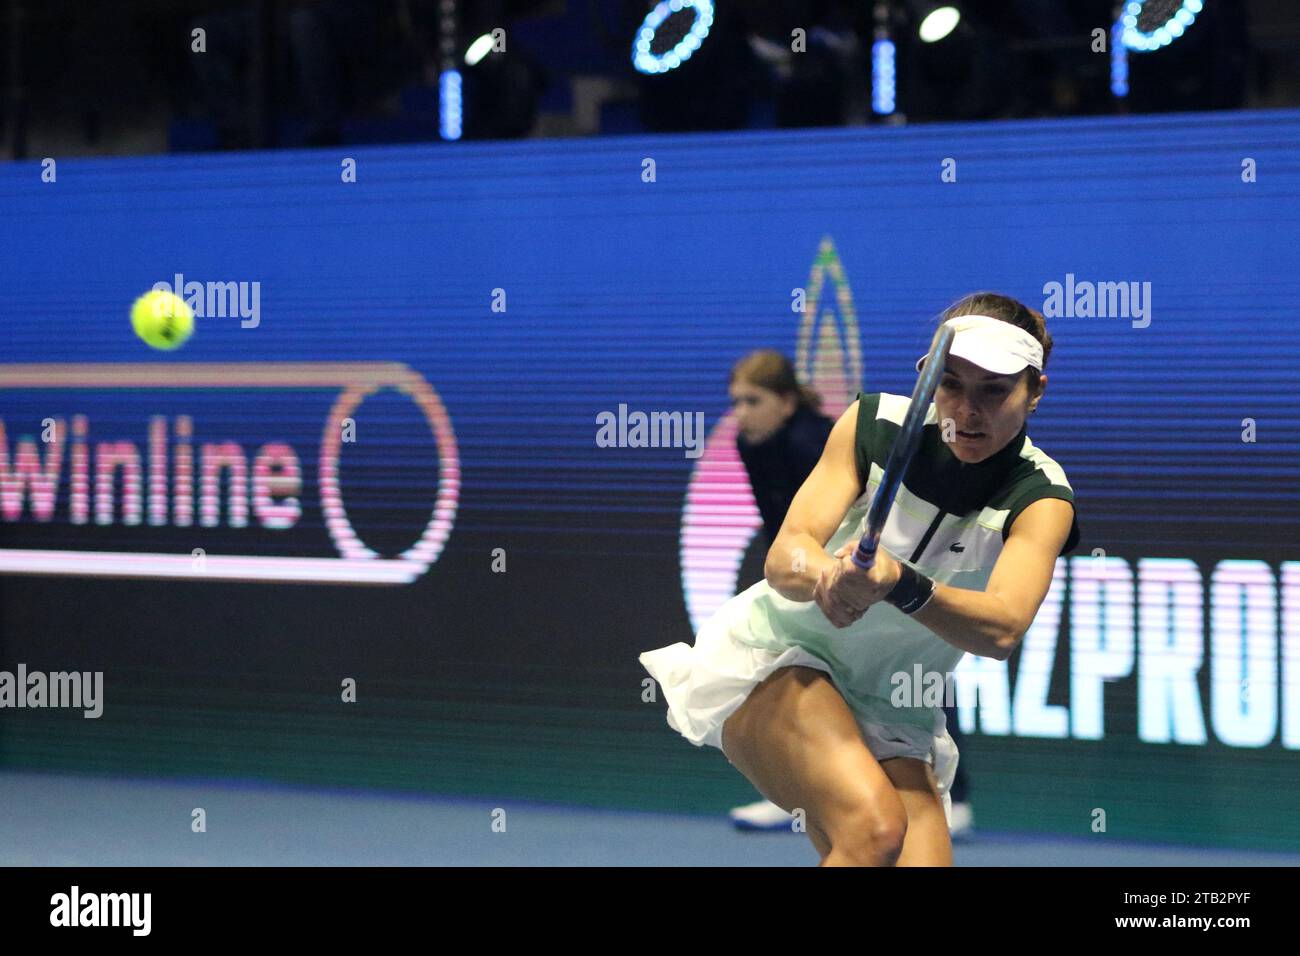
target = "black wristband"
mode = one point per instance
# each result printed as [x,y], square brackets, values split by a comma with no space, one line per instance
[912,591]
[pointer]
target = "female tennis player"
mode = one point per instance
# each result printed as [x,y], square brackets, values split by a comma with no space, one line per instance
[818,683]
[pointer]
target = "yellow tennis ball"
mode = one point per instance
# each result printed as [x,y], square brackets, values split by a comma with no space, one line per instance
[162,319]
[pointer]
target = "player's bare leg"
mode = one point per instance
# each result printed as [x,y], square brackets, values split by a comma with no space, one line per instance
[798,743]
[927,842]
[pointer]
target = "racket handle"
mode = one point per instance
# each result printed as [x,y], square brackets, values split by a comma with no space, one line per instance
[864,556]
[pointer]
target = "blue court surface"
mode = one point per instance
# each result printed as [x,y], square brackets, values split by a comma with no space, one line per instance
[56,820]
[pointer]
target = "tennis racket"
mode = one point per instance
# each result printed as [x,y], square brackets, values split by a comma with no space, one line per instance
[905,446]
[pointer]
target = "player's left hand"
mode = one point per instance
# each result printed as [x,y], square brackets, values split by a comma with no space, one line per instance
[844,591]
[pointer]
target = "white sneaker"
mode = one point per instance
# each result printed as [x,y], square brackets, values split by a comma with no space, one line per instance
[762,815]
[963,821]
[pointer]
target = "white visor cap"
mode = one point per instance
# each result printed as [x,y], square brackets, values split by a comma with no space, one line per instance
[993,345]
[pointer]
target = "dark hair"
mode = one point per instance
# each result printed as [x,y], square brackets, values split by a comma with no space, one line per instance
[768,368]
[1003,307]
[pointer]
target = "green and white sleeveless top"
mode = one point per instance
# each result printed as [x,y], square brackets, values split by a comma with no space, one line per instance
[949,521]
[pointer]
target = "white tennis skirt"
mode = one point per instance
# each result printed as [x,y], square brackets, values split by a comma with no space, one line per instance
[705,684]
